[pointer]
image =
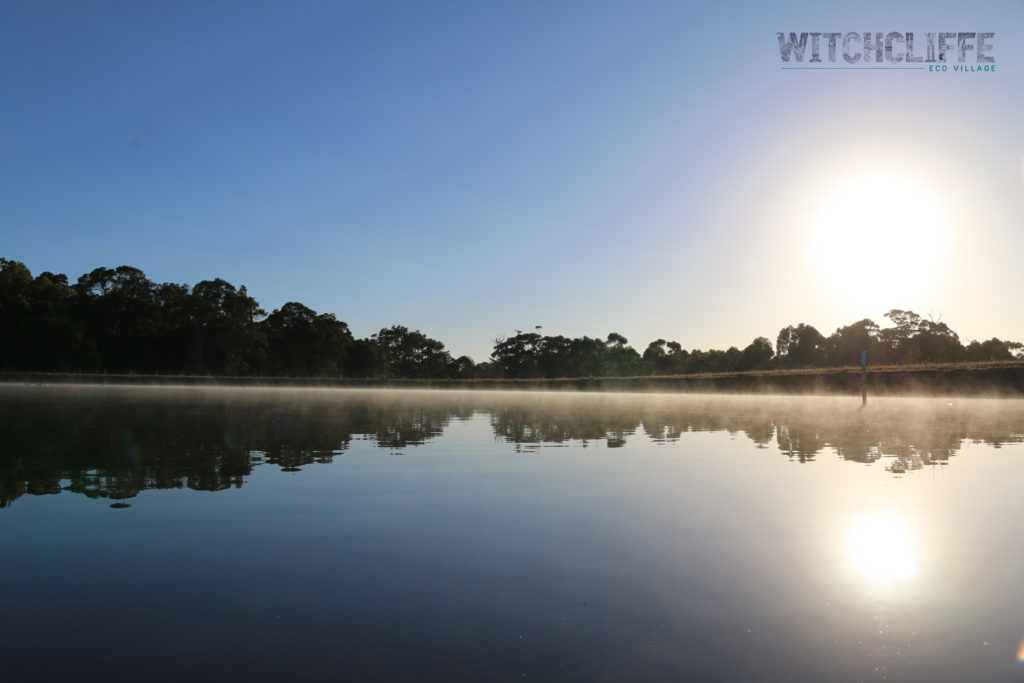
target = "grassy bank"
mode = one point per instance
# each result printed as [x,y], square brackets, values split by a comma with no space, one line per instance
[1000,378]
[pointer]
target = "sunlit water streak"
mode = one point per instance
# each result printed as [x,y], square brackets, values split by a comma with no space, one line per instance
[881,548]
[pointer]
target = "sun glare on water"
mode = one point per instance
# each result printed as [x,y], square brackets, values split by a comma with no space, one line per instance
[880,548]
[879,239]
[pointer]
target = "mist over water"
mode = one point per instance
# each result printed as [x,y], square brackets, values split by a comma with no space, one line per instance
[382,535]
[126,439]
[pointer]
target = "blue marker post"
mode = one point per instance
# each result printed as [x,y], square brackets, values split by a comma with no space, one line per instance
[863,378]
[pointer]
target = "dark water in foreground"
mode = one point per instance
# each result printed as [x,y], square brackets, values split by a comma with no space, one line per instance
[352,535]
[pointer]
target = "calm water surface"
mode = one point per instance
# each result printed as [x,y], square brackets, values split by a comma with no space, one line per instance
[204,534]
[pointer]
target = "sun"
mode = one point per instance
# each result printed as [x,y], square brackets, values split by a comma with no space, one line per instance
[879,239]
[880,548]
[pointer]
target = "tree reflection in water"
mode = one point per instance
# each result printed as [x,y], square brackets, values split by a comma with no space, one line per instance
[108,442]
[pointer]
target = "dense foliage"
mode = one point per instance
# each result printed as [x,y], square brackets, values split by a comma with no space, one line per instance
[118,321]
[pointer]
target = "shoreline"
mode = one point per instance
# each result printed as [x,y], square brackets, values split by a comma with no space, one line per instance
[1002,379]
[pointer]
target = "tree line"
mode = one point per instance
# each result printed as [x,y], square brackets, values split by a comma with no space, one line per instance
[116,320]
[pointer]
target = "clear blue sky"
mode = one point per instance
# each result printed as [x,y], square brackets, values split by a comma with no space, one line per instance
[473,168]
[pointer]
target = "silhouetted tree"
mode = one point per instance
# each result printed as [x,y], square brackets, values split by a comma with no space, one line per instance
[993,349]
[518,356]
[227,337]
[912,339]
[620,360]
[757,356]
[413,354]
[366,359]
[118,310]
[463,367]
[799,347]
[844,346]
[303,344]
[179,338]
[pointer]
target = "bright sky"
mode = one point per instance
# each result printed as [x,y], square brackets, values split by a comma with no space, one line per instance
[473,168]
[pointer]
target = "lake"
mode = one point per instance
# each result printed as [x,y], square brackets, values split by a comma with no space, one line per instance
[279,534]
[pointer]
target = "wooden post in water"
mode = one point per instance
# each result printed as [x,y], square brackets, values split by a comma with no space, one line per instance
[863,378]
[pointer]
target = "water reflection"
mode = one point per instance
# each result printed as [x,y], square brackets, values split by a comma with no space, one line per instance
[115,442]
[881,548]
[583,537]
